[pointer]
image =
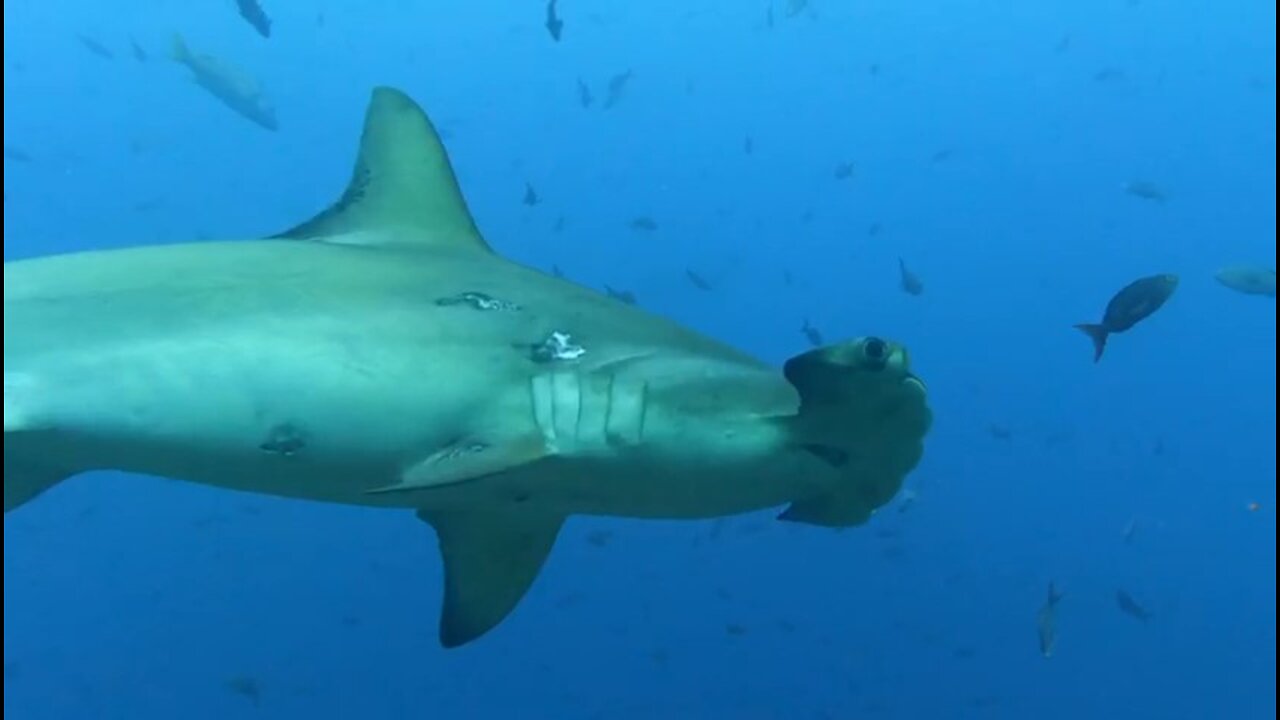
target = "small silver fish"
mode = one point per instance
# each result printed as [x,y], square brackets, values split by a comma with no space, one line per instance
[1047,621]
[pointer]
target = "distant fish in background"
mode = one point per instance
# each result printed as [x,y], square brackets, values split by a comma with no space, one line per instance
[617,84]
[643,223]
[625,296]
[253,14]
[555,25]
[585,98]
[530,195]
[1248,279]
[1146,190]
[95,47]
[795,7]
[1134,303]
[911,283]
[1131,607]
[235,88]
[811,333]
[1130,530]
[697,280]
[843,171]
[1047,622]
[999,432]
[748,145]
[16,154]
[1108,75]
[909,498]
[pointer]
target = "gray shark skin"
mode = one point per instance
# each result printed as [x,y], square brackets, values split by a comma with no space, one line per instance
[381,354]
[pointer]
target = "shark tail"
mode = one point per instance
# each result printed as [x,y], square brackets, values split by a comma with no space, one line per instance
[863,414]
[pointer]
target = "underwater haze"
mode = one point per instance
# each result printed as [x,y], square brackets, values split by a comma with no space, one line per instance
[970,178]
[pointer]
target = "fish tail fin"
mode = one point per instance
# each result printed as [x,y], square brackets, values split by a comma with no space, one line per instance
[1098,334]
[1055,595]
[178,51]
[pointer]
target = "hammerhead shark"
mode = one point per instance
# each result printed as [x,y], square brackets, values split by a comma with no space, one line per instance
[382,354]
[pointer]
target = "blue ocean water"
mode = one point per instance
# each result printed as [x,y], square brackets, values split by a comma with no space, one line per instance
[989,145]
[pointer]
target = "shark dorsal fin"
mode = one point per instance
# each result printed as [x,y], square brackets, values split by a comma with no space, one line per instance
[403,192]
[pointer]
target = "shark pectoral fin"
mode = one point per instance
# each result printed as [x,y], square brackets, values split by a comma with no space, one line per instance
[844,508]
[403,192]
[23,483]
[25,474]
[491,557]
[464,461]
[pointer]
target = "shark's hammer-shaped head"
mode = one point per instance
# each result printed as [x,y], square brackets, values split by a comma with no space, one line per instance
[864,413]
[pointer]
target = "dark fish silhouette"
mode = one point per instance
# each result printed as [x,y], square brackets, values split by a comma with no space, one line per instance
[16,154]
[530,195]
[625,296]
[585,98]
[843,171]
[1130,306]
[748,145]
[1108,74]
[811,333]
[697,280]
[1248,279]
[554,24]
[1131,607]
[1047,621]
[247,687]
[253,14]
[1130,529]
[911,284]
[96,47]
[643,223]
[138,53]
[1146,190]
[617,84]
[231,85]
